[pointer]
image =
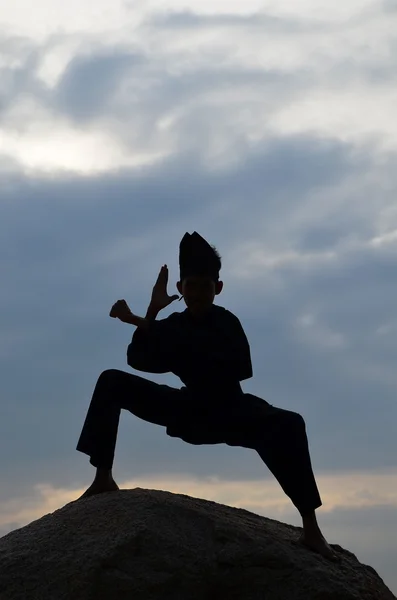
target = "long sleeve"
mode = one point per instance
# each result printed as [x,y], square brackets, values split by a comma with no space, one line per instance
[232,357]
[150,349]
[241,352]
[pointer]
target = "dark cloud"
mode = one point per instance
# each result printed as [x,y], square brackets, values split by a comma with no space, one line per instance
[388,6]
[193,21]
[129,92]
[58,217]
[90,82]
[17,74]
[60,283]
[265,22]
[136,94]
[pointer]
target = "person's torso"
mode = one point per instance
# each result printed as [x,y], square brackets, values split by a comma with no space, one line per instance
[195,343]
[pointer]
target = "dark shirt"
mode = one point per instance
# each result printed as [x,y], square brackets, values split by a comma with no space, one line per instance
[209,354]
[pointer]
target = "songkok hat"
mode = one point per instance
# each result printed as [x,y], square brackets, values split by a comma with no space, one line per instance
[198,258]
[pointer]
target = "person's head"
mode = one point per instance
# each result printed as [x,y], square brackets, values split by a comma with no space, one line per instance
[200,265]
[199,292]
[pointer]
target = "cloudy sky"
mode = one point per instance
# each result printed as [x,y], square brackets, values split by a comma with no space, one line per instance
[270,128]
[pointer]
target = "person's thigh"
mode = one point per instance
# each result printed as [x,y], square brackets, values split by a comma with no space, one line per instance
[254,420]
[147,400]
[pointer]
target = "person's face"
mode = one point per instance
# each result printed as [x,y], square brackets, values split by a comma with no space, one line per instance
[199,292]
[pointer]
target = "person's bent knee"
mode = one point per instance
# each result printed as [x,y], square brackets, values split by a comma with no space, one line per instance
[109,375]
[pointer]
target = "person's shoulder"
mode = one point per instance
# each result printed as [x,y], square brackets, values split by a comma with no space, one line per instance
[175,317]
[171,320]
[225,313]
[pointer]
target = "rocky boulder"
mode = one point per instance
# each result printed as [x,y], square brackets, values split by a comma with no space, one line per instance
[152,545]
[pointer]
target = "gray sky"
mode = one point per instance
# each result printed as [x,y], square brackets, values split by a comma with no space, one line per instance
[271,130]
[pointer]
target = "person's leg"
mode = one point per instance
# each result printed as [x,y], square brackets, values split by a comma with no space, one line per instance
[116,390]
[283,446]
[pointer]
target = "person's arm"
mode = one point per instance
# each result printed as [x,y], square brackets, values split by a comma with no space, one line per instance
[151,315]
[240,351]
[230,358]
[150,347]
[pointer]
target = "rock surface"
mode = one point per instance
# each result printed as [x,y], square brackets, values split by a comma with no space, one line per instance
[145,545]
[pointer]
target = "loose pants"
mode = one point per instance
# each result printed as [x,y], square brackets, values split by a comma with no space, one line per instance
[278,435]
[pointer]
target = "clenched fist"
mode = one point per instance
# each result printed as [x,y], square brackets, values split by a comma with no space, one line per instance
[120,310]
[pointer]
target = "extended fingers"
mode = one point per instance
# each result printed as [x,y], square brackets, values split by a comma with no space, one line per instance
[163,275]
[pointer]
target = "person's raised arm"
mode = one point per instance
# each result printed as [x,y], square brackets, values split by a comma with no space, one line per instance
[159,300]
[120,310]
[149,347]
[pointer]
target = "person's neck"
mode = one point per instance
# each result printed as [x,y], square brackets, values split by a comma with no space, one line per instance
[201,314]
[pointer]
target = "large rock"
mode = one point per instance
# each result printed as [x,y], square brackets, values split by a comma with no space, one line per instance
[144,544]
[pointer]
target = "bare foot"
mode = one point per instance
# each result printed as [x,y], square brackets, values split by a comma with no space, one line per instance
[99,488]
[318,543]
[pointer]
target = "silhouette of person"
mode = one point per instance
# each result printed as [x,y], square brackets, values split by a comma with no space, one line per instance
[206,347]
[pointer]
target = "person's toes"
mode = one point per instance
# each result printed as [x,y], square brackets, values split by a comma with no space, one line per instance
[89,492]
[320,546]
[100,488]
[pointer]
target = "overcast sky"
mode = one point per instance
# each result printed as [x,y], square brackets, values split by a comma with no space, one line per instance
[270,128]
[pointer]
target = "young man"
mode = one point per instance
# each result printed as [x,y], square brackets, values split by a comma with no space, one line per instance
[206,347]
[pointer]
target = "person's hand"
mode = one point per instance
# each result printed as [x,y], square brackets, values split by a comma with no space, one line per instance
[120,310]
[160,298]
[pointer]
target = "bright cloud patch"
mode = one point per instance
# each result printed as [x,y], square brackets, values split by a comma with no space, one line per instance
[109,86]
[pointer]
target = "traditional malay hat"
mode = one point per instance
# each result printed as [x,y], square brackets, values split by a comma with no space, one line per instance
[198,257]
